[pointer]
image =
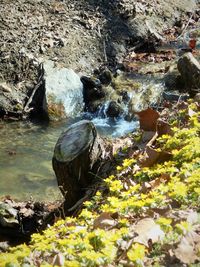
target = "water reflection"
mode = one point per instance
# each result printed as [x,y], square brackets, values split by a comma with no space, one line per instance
[26,151]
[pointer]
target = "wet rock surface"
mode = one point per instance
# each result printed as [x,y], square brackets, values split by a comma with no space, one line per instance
[63,91]
[189,69]
[114,110]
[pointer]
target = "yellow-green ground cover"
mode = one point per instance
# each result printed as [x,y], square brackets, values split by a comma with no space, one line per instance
[107,231]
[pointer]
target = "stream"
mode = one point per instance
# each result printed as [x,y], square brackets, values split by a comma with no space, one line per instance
[26,149]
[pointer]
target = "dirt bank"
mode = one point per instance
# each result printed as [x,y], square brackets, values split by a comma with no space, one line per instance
[83,34]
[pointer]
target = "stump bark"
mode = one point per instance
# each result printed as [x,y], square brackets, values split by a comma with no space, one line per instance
[77,155]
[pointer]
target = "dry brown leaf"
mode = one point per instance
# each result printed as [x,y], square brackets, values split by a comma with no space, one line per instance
[147,136]
[104,221]
[163,127]
[58,260]
[152,156]
[156,182]
[188,248]
[148,232]
[191,112]
[148,119]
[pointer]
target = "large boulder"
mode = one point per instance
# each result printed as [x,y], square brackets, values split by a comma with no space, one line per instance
[189,69]
[64,91]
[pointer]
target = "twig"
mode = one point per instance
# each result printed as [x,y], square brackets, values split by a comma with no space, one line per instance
[80,201]
[184,29]
[104,50]
[26,107]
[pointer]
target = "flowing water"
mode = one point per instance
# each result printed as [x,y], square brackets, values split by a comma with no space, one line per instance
[26,150]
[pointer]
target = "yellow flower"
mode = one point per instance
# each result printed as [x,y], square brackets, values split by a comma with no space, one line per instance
[137,252]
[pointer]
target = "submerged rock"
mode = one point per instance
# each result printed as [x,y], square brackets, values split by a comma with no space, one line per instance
[64,91]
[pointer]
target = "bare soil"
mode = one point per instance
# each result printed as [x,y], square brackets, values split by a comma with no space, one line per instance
[82,34]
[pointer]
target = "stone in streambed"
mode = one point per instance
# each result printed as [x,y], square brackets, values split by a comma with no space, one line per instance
[92,89]
[105,77]
[64,91]
[189,69]
[174,96]
[114,109]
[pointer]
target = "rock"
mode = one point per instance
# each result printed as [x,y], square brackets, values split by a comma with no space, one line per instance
[189,69]
[172,79]
[116,50]
[11,101]
[105,77]
[8,216]
[114,109]
[90,83]
[138,28]
[175,96]
[4,246]
[92,90]
[64,91]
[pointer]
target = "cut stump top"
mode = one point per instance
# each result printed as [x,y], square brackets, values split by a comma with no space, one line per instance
[75,140]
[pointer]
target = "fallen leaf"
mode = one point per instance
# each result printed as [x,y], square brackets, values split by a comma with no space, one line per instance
[163,127]
[192,43]
[152,156]
[188,248]
[190,216]
[148,232]
[191,112]
[147,136]
[104,221]
[148,119]
[160,180]
[58,260]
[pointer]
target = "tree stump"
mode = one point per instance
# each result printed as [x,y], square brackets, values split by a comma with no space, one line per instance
[77,155]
